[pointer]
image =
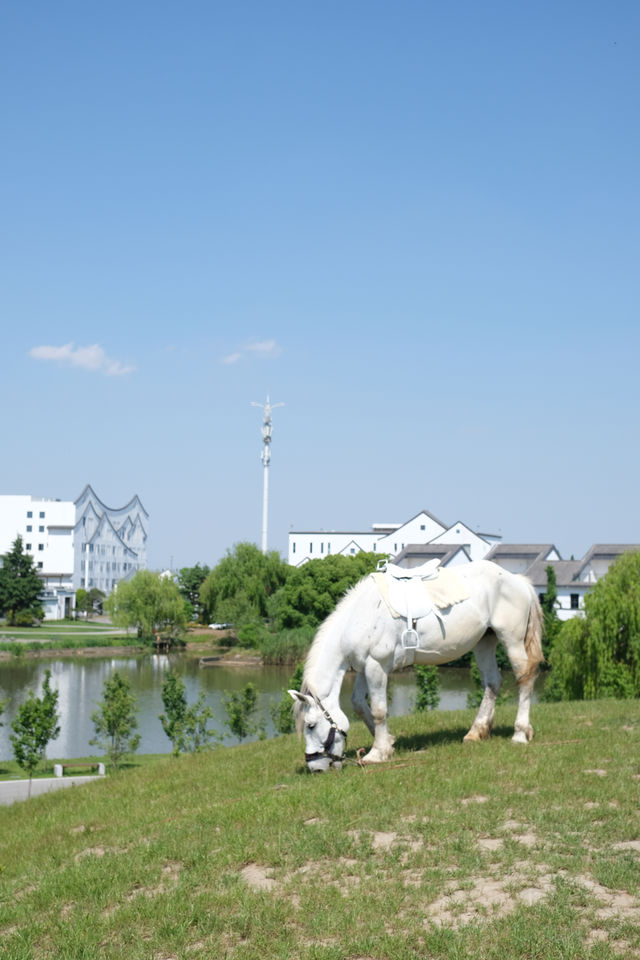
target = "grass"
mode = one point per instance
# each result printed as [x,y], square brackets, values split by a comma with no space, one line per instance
[490,851]
[11,770]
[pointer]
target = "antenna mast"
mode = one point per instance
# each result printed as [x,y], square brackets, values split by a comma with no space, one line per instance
[267,429]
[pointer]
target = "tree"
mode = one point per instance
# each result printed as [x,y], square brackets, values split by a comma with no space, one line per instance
[35,724]
[551,621]
[428,687]
[282,710]
[312,591]
[185,726]
[237,590]
[20,587]
[115,720]
[149,602]
[599,656]
[50,716]
[240,708]
[89,601]
[190,579]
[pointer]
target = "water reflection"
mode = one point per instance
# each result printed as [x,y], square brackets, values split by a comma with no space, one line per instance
[80,683]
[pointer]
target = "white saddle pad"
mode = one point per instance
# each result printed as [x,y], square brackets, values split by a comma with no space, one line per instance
[412,597]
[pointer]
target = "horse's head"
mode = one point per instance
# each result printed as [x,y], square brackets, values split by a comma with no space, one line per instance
[324,737]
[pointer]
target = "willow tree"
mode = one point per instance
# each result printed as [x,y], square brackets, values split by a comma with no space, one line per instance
[150,603]
[600,655]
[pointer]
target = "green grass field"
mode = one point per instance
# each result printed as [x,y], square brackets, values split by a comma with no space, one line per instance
[452,850]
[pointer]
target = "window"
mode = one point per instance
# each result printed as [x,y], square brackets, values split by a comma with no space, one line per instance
[29,513]
[423,526]
[293,547]
[41,514]
[27,546]
[41,546]
[29,528]
[375,547]
[575,601]
[40,565]
[322,548]
[310,548]
[40,529]
[328,548]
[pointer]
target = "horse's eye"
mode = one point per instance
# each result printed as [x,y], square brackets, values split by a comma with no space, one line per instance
[311,725]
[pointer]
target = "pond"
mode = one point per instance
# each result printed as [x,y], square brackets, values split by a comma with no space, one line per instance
[80,684]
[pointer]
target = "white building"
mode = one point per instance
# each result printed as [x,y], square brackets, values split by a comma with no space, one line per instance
[424,537]
[46,527]
[574,578]
[389,538]
[74,544]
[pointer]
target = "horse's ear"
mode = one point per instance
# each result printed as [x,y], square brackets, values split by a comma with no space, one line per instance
[300,697]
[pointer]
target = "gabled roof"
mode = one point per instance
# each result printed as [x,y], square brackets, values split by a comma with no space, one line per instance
[521,550]
[90,508]
[425,513]
[445,552]
[106,521]
[460,523]
[606,551]
[566,571]
[89,493]
[352,543]
[131,525]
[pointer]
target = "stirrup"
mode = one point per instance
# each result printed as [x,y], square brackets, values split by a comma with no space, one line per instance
[410,639]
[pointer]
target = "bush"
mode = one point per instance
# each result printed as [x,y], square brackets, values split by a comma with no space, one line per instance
[428,687]
[27,618]
[288,646]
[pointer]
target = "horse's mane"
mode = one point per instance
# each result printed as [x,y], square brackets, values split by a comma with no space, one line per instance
[316,650]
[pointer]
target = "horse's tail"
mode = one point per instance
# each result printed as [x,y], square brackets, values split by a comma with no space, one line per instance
[533,636]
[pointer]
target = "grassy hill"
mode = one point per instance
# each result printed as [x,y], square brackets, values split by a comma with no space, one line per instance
[451,851]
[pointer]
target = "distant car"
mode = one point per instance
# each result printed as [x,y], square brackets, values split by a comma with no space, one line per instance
[220,626]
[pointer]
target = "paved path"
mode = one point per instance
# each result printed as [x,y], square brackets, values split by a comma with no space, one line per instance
[12,790]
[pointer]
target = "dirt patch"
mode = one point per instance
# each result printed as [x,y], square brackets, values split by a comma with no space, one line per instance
[90,852]
[487,898]
[258,877]
[490,844]
[628,845]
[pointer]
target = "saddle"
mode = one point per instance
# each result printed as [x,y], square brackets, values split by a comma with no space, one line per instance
[415,592]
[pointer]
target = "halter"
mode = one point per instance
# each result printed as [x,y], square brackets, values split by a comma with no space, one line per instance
[331,736]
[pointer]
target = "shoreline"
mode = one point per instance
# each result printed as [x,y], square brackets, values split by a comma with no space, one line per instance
[200,650]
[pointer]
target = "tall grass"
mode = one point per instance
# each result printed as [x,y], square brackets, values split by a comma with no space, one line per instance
[491,851]
[287,646]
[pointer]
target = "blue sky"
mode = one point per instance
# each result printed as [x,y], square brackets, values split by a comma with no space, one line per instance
[416,224]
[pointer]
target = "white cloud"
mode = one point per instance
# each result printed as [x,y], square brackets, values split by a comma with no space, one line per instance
[92,358]
[257,348]
[265,348]
[232,358]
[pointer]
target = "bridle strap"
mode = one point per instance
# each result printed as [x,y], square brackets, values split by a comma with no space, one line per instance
[331,736]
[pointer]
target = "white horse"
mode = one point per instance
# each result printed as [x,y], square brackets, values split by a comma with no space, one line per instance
[362,635]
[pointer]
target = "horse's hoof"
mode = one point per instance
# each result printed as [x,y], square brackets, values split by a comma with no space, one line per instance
[520,737]
[476,735]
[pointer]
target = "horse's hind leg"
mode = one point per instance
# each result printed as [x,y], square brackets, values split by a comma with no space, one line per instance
[376,680]
[523,732]
[485,654]
[359,701]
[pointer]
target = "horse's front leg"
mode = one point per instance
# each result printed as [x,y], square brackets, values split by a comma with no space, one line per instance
[376,680]
[359,701]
